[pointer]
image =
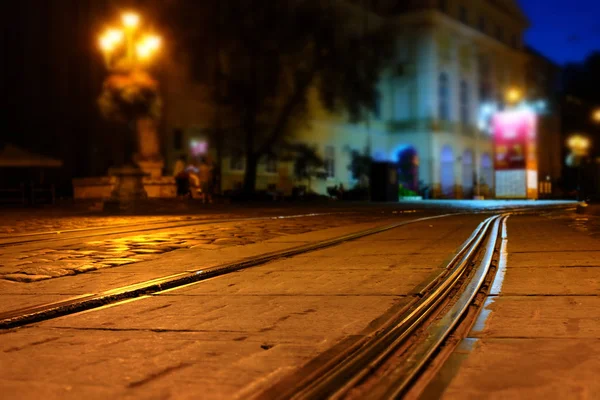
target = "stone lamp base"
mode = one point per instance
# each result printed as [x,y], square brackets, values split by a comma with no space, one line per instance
[128,190]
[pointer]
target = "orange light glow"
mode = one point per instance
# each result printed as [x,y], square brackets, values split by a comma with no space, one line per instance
[513,95]
[111,39]
[148,46]
[131,20]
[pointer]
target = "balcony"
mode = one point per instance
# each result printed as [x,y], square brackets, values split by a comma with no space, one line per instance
[430,124]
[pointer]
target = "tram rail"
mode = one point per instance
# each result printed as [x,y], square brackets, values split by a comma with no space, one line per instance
[386,363]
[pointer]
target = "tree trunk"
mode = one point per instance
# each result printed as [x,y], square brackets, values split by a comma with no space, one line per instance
[250,175]
[251,155]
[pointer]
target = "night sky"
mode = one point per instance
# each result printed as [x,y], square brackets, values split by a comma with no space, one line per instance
[563,30]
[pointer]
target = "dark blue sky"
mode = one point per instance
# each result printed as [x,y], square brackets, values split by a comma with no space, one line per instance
[563,30]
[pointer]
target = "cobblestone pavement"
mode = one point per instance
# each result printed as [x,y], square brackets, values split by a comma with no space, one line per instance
[98,253]
[232,336]
[35,224]
[20,222]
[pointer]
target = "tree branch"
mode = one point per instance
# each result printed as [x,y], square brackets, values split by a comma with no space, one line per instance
[288,110]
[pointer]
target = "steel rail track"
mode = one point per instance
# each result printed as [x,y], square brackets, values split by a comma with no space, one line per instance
[398,381]
[32,238]
[349,369]
[22,317]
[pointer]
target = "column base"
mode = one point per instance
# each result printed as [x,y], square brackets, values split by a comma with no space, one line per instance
[128,190]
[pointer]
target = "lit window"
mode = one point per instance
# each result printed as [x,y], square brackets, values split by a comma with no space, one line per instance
[464,103]
[444,97]
[330,161]
[484,79]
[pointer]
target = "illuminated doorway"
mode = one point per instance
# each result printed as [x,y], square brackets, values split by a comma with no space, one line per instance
[408,169]
[468,173]
[447,172]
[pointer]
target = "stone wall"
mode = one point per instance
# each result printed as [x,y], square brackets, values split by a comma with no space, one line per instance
[101,187]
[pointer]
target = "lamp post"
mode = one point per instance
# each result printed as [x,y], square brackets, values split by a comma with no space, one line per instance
[579,145]
[127,48]
[596,116]
[130,95]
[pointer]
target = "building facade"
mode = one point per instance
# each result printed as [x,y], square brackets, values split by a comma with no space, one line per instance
[453,59]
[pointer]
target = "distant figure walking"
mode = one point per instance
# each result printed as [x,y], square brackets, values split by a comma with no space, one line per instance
[206,179]
[192,172]
[182,179]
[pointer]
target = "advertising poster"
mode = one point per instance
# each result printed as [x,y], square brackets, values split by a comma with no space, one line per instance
[515,153]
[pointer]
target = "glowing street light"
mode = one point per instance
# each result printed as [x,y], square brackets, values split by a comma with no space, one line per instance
[127,48]
[596,116]
[578,144]
[130,20]
[513,95]
[148,46]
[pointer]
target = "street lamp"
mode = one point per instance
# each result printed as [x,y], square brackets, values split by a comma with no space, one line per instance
[513,95]
[596,116]
[130,95]
[130,20]
[127,48]
[579,145]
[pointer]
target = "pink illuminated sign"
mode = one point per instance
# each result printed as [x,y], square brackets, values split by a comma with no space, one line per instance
[514,139]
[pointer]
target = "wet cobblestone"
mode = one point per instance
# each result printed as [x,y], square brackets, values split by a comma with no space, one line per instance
[23,224]
[100,254]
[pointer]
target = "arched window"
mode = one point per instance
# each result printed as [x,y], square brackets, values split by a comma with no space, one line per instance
[444,97]
[464,103]
[447,171]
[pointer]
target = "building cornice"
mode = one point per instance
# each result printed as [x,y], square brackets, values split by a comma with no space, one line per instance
[435,18]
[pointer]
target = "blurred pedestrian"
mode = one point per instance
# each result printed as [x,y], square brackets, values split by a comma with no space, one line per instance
[182,180]
[206,179]
[179,165]
[192,172]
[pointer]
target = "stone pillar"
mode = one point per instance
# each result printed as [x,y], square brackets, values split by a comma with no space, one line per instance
[149,158]
[128,190]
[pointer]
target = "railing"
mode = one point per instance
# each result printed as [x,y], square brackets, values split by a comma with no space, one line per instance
[28,194]
[430,124]
[15,195]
